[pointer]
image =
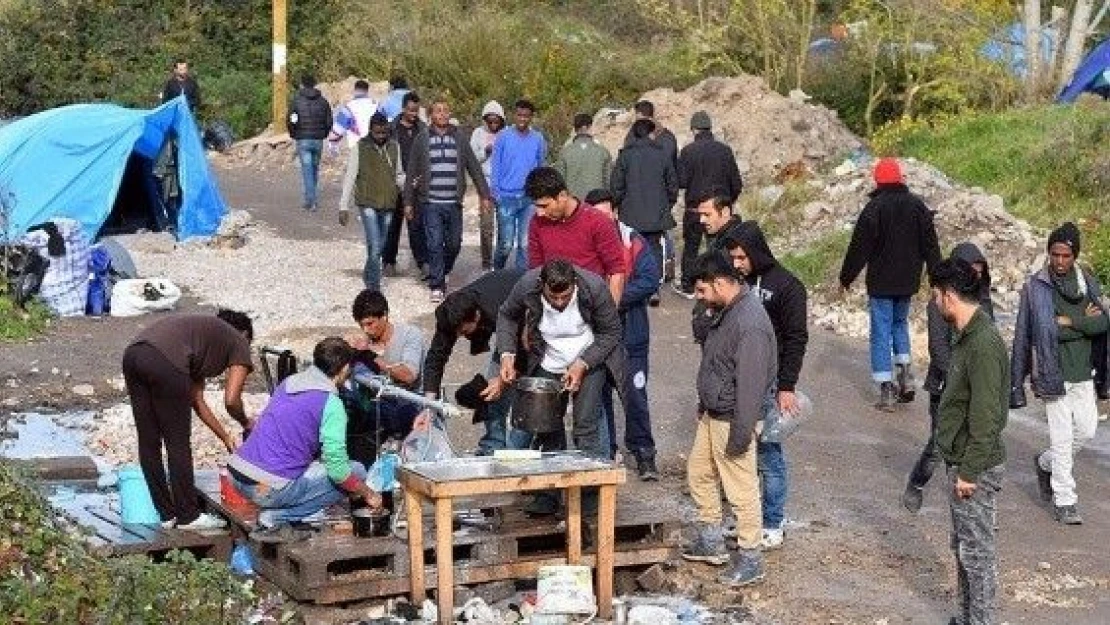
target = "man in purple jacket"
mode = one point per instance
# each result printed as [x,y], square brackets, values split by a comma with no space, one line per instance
[277,467]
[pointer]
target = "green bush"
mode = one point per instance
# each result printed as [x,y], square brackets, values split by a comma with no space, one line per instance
[819,264]
[47,575]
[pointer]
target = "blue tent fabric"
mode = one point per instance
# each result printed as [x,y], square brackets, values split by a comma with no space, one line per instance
[69,162]
[1008,47]
[1089,73]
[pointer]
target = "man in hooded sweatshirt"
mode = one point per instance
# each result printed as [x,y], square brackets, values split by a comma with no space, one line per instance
[784,298]
[894,238]
[481,143]
[309,124]
[941,335]
[1059,339]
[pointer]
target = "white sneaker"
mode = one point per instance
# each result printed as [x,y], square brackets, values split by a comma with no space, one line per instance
[169,525]
[204,522]
[772,538]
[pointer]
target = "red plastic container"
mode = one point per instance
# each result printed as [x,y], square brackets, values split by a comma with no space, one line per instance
[228,492]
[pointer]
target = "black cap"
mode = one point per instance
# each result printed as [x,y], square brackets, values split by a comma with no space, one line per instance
[1068,234]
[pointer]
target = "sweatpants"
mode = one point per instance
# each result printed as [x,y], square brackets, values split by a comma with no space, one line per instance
[161,404]
[1072,420]
[710,468]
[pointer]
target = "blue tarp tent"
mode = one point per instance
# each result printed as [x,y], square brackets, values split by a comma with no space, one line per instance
[71,162]
[1091,75]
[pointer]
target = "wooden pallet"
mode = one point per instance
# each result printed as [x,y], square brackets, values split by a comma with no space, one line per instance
[109,535]
[334,567]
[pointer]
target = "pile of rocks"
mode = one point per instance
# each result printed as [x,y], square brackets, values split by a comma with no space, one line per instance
[765,129]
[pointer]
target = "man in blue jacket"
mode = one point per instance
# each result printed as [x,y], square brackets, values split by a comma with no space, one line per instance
[517,151]
[642,282]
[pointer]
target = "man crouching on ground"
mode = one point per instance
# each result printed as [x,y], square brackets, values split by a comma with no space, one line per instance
[738,366]
[971,416]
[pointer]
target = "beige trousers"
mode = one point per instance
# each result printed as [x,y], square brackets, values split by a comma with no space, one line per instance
[710,468]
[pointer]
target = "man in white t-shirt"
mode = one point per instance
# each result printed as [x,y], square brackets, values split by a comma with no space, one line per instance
[352,120]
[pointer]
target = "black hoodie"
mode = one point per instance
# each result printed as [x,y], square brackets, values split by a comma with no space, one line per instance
[940,331]
[784,298]
[310,117]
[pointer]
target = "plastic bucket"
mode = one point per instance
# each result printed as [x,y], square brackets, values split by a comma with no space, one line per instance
[136,506]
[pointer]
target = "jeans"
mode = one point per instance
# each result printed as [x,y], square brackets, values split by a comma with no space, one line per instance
[692,233]
[375,224]
[973,541]
[498,433]
[771,464]
[308,151]
[417,244]
[930,457]
[889,329]
[513,217]
[308,494]
[637,416]
[443,232]
[1072,421]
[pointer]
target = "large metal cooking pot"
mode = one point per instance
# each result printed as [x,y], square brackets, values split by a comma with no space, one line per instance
[539,405]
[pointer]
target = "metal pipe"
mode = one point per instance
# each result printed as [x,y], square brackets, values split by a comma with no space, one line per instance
[381,385]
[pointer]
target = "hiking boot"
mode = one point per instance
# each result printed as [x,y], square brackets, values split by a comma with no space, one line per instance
[746,568]
[204,523]
[1044,479]
[906,384]
[654,300]
[708,545]
[645,465]
[772,538]
[912,497]
[886,397]
[1068,515]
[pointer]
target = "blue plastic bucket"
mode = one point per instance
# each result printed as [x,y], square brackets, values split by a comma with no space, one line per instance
[136,506]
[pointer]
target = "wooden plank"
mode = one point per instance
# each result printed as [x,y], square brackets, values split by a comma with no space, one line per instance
[574,525]
[417,591]
[605,539]
[62,468]
[445,565]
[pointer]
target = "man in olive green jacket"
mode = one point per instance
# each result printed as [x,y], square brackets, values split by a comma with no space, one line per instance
[972,414]
[584,163]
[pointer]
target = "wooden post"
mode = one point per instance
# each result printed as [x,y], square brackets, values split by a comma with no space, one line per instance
[606,521]
[280,56]
[574,525]
[415,514]
[445,561]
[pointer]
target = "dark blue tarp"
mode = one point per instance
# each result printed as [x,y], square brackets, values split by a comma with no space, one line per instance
[1089,75]
[70,161]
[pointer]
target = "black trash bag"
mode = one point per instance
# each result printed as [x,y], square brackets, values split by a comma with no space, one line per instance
[23,269]
[219,136]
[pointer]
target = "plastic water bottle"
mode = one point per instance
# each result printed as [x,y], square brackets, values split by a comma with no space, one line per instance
[777,428]
[383,475]
[242,562]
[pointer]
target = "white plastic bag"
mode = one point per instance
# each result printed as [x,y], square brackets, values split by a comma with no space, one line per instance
[427,446]
[137,297]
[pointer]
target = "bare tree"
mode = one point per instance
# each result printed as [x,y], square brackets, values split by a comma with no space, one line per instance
[1031,17]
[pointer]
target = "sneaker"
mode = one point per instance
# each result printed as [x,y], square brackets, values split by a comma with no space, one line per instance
[437,296]
[745,570]
[772,538]
[708,545]
[654,300]
[1068,515]
[645,466]
[170,524]
[886,397]
[204,522]
[906,384]
[912,498]
[389,270]
[682,291]
[1044,479]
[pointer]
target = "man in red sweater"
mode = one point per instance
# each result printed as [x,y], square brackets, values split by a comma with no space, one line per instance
[566,228]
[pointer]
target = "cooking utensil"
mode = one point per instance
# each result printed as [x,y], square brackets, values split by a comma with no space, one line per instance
[368,523]
[539,405]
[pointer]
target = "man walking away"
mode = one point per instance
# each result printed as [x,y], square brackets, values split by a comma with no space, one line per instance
[738,367]
[643,277]
[441,160]
[352,120]
[584,163]
[516,153]
[379,181]
[645,186]
[394,101]
[940,352]
[893,237]
[666,139]
[703,166]
[784,297]
[406,126]
[969,435]
[1060,337]
[180,82]
[481,143]
[309,123]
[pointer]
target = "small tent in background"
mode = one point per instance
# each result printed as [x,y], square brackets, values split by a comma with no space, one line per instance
[110,168]
[1093,75]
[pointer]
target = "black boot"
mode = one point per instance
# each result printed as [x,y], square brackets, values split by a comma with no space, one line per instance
[645,465]
[886,397]
[906,384]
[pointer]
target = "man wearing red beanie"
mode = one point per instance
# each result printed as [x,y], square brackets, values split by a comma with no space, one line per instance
[894,237]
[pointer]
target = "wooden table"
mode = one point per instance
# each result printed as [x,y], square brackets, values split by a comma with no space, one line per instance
[440,482]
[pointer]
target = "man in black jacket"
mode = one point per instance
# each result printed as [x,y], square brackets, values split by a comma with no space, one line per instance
[720,223]
[940,353]
[894,237]
[406,125]
[784,297]
[180,82]
[471,313]
[645,186]
[703,166]
[309,124]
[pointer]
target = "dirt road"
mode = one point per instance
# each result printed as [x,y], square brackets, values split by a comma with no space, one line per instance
[853,554]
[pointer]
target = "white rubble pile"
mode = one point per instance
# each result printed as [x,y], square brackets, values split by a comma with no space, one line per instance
[291,289]
[766,130]
[110,434]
